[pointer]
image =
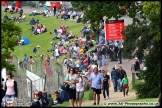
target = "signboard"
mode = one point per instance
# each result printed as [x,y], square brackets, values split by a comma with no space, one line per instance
[113,30]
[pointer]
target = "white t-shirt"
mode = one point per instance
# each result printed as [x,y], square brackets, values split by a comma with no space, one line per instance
[57,52]
[80,84]
[109,75]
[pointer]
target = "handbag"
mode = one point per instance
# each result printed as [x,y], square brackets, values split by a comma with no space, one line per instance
[65,86]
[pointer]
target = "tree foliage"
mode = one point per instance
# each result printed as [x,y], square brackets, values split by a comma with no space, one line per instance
[10,35]
[138,35]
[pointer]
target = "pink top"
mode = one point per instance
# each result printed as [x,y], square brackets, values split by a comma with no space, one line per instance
[10,88]
[85,62]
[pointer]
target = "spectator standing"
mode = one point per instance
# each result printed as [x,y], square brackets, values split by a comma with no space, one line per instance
[71,78]
[114,78]
[25,62]
[121,74]
[106,84]
[79,89]
[10,87]
[54,10]
[96,84]
[57,54]
[45,8]
[103,52]
[120,55]
[137,67]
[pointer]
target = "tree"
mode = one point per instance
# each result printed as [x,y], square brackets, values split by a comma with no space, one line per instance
[138,35]
[97,9]
[10,35]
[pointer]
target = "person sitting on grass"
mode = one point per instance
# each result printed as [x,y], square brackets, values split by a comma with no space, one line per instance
[32,22]
[50,100]
[58,99]
[6,18]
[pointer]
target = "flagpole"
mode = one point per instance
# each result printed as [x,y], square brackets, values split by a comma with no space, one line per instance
[104,18]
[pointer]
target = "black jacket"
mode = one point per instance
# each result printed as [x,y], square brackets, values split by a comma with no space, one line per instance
[15,88]
[137,66]
[121,74]
[2,94]
[114,75]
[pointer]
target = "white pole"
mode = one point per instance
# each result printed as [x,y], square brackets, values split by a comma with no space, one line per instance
[115,66]
[105,29]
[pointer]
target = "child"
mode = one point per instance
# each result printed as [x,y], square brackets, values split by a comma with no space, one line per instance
[125,82]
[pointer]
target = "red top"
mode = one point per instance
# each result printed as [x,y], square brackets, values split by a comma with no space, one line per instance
[38,27]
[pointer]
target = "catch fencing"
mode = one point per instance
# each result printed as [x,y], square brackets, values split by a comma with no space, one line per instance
[52,81]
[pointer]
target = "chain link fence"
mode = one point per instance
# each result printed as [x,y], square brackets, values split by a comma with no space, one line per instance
[52,81]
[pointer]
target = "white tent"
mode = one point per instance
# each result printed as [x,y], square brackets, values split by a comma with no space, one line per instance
[37,82]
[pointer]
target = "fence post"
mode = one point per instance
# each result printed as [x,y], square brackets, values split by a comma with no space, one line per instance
[58,79]
[31,88]
[45,81]
[133,75]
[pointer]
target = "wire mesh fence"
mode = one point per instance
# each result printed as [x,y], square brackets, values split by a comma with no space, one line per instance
[53,76]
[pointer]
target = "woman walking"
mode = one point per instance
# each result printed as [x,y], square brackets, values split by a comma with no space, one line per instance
[71,78]
[79,89]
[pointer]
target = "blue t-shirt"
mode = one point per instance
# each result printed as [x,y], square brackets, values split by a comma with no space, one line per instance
[96,80]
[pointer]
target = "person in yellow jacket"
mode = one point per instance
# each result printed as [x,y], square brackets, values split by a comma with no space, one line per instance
[81,51]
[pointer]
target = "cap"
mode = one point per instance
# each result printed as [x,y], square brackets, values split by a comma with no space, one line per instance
[94,66]
[136,58]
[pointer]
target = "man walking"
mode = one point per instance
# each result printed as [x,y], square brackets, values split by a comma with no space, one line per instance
[96,84]
[121,74]
[106,84]
[114,78]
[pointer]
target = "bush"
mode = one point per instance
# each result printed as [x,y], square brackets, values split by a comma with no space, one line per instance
[152,76]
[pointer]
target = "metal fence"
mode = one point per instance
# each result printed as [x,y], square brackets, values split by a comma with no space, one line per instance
[52,82]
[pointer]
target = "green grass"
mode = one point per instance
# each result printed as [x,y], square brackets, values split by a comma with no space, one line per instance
[66,104]
[42,39]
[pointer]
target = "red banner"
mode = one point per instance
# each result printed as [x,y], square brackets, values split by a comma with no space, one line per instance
[113,30]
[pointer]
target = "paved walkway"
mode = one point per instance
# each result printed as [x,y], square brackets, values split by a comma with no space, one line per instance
[117,96]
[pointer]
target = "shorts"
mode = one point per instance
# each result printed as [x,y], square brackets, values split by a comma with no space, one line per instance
[57,57]
[79,94]
[98,91]
[72,93]
[9,96]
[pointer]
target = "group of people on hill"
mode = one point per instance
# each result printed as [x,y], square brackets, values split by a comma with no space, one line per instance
[40,28]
